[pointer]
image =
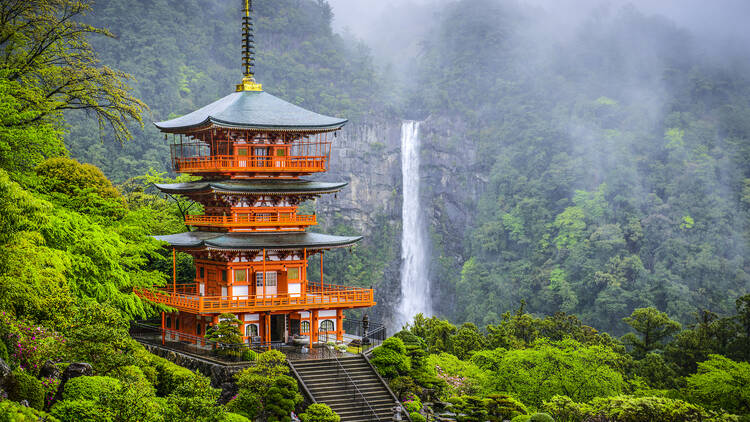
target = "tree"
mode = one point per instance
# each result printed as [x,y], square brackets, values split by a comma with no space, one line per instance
[319,412]
[390,358]
[228,330]
[721,383]
[281,399]
[46,47]
[653,326]
[467,339]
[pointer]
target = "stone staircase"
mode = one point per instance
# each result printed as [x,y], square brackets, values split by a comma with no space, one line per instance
[332,381]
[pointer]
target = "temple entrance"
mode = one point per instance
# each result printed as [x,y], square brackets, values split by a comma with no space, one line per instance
[277,327]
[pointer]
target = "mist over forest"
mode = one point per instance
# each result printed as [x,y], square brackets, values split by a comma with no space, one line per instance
[584,187]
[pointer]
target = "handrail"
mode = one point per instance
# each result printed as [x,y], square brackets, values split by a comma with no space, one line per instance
[351,381]
[250,220]
[301,381]
[312,299]
[393,396]
[252,163]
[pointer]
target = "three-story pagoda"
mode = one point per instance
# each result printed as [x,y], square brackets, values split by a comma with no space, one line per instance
[251,247]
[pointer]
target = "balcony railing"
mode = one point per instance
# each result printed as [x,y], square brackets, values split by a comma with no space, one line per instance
[250,221]
[316,297]
[252,163]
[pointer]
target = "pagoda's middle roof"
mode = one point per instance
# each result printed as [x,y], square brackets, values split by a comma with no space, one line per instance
[252,241]
[252,110]
[267,187]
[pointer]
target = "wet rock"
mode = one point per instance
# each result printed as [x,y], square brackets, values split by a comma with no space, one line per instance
[49,370]
[74,370]
[228,391]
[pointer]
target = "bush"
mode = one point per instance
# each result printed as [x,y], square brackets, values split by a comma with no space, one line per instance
[89,388]
[503,406]
[319,412]
[81,411]
[248,355]
[196,399]
[25,387]
[417,417]
[133,375]
[390,358]
[11,411]
[282,398]
[413,405]
[246,403]
[541,417]
[169,376]
[235,417]
[3,351]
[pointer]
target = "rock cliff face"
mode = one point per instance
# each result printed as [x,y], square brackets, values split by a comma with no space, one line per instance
[368,156]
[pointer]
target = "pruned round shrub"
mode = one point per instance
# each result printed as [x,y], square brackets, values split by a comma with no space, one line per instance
[11,411]
[89,388]
[170,376]
[248,355]
[390,358]
[234,417]
[319,412]
[23,386]
[541,417]
[417,417]
[81,411]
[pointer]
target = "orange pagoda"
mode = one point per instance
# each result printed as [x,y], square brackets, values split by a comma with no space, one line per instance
[251,247]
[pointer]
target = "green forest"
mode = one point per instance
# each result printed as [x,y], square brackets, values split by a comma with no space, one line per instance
[603,274]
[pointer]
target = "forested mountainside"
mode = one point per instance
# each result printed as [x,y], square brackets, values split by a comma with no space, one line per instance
[185,54]
[601,172]
[592,170]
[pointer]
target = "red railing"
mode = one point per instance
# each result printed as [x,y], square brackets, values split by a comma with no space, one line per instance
[250,220]
[252,163]
[327,296]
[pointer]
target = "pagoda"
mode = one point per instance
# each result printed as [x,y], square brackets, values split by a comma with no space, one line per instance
[251,247]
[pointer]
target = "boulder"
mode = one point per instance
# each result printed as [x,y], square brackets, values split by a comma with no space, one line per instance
[49,370]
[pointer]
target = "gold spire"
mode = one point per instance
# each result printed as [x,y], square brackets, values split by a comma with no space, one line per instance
[248,52]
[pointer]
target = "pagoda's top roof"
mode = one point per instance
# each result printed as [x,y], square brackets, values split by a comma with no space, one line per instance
[247,241]
[268,187]
[252,110]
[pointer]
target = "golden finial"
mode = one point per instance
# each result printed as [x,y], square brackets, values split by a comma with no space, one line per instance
[248,53]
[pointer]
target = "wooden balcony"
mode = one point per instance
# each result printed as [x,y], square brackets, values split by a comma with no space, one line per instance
[250,222]
[231,164]
[317,297]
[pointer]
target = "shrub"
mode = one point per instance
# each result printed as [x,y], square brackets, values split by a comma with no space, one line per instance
[234,417]
[248,355]
[11,411]
[169,376]
[390,358]
[417,417]
[319,412]
[282,398]
[196,399]
[133,375]
[81,411]
[3,351]
[89,388]
[541,417]
[721,383]
[24,386]
[246,403]
[502,406]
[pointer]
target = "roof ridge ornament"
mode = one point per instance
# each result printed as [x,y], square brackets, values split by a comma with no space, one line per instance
[248,52]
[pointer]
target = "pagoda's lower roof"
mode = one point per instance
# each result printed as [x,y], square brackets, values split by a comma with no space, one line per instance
[256,241]
[268,187]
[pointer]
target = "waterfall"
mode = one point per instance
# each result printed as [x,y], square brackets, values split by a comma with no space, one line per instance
[415,285]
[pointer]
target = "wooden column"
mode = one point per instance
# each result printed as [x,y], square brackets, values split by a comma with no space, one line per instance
[303,280]
[339,324]
[174,271]
[268,330]
[313,327]
[321,271]
[162,328]
[264,273]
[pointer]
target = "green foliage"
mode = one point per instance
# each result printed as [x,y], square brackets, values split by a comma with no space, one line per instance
[541,417]
[247,404]
[170,376]
[234,417]
[630,409]
[319,412]
[259,377]
[653,327]
[551,368]
[13,412]
[228,330]
[468,408]
[721,384]
[417,417]
[501,407]
[196,400]
[81,410]
[281,399]
[3,350]
[249,355]
[89,388]
[23,386]
[390,358]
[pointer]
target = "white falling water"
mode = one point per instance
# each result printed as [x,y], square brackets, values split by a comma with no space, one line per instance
[415,286]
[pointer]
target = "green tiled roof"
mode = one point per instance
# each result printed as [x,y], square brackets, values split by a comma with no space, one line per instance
[247,241]
[270,186]
[252,110]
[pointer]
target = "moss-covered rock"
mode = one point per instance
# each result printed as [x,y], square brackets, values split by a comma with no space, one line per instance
[23,386]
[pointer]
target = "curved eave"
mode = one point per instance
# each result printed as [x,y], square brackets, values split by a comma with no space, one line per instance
[261,188]
[256,242]
[212,123]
